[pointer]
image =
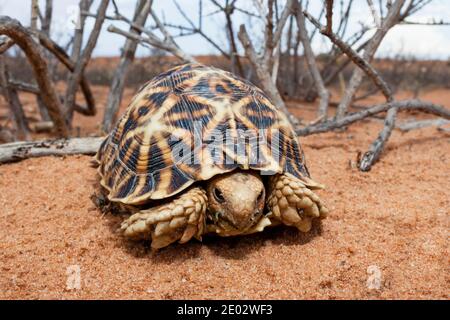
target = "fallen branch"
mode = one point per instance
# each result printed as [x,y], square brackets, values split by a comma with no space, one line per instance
[415,104]
[17,151]
[443,129]
[411,125]
[372,155]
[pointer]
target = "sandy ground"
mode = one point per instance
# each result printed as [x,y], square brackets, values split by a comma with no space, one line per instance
[385,238]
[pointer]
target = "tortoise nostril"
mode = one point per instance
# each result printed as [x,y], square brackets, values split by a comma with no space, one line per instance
[255,216]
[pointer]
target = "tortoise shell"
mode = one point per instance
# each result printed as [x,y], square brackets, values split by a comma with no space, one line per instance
[189,124]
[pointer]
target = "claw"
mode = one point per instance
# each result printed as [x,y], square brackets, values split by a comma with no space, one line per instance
[293,203]
[180,220]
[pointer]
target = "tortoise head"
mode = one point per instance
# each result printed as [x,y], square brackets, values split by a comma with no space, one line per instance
[236,202]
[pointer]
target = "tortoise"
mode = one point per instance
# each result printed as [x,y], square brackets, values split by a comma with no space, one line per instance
[200,150]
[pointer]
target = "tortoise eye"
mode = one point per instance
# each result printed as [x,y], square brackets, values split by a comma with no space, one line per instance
[218,195]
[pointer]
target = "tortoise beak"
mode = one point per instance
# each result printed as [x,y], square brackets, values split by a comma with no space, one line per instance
[224,225]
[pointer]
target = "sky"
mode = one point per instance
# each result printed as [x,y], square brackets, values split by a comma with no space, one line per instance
[424,42]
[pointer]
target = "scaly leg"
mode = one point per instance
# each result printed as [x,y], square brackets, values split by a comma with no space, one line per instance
[180,219]
[292,202]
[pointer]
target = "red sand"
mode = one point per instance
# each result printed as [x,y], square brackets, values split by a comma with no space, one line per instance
[391,221]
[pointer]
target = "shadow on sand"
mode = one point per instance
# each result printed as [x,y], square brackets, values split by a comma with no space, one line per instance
[233,248]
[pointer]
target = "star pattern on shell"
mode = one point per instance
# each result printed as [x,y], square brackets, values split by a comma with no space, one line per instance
[189,124]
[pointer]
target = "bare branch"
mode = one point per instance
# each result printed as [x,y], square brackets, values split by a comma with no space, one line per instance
[415,104]
[419,124]
[31,88]
[13,100]
[287,11]
[391,19]
[376,17]
[344,19]
[430,23]
[262,71]
[83,60]
[25,87]
[118,83]
[5,45]
[197,29]
[236,65]
[167,43]
[312,65]
[372,155]
[47,19]
[17,151]
[84,5]
[34,15]
[155,42]
[64,58]
[329,4]
[362,63]
[263,63]
[13,29]
[443,129]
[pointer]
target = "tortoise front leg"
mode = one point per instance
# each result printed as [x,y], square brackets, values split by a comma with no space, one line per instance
[178,220]
[292,202]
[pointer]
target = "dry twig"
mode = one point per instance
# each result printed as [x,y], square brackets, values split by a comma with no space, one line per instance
[11,96]
[17,151]
[262,63]
[311,61]
[415,104]
[419,124]
[20,35]
[129,49]
[82,62]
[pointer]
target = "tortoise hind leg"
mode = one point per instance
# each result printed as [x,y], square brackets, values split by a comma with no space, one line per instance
[292,202]
[179,220]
